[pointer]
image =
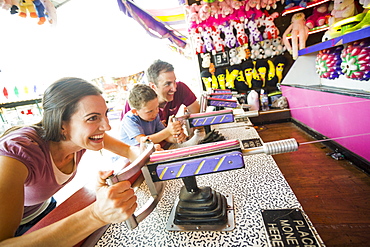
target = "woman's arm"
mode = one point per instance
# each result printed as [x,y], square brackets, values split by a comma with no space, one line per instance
[113,204]
[118,147]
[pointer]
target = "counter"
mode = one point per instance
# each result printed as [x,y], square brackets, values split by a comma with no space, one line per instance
[260,185]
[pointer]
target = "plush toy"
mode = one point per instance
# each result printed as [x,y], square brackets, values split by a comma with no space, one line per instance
[192,13]
[299,34]
[257,80]
[207,41]
[11,5]
[51,12]
[247,68]
[279,62]
[27,6]
[231,74]
[206,79]
[278,46]
[268,49]
[225,8]
[292,3]
[342,9]
[242,52]
[241,36]
[197,40]
[319,16]
[271,76]
[204,12]
[212,70]
[233,55]
[256,52]
[230,39]
[261,69]
[254,34]
[221,77]
[40,11]
[219,45]
[206,60]
[270,31]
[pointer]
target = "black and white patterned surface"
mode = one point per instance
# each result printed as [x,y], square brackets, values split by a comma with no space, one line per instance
[260,185]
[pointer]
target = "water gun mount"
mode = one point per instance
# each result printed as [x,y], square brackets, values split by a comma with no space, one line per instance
[197,208]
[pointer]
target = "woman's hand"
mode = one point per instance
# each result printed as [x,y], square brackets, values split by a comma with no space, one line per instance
[114,203]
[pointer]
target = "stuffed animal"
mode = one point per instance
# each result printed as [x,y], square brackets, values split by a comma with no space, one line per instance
[247,68]
[10,4]
[256,52]
[51,12]
[27,6]
[207,41]
[279,62]
[254,34]
[206,79]
[197,40]
[278,46]
[206,60]
[218,43]
[342,9]
[268,49]
[204,12]
[241,36]
[292,3]
[192,13]
[40,11]
[242,52]
[298,32]
[270,31]
[225,8]
[230,39]
[221,77]
[233,55]
[231,75]
[319,16]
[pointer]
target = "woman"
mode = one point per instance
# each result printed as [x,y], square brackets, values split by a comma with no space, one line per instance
[36,161]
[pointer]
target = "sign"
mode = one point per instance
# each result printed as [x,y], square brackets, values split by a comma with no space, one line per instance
[251,143]
[288,227]
[221,59]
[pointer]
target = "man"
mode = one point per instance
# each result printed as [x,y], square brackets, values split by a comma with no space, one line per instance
[171,94]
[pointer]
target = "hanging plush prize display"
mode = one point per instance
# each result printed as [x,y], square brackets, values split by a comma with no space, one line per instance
[356,60]
[328,63]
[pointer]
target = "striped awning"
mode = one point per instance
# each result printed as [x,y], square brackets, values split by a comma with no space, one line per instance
[158,23]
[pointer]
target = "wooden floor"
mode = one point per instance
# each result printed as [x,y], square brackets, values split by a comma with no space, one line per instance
[334,194]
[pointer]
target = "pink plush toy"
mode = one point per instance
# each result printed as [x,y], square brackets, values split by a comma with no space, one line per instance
[204,12]
[319,16]
[225,8]
[192,13]
[299,34]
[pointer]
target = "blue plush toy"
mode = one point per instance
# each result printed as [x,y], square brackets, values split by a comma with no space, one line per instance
[292,3]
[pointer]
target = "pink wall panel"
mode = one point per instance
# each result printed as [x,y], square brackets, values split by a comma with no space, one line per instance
[333,115]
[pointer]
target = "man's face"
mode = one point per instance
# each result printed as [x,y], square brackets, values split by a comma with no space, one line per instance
[166,87]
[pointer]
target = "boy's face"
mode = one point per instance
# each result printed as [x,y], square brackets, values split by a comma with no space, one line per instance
[149,111]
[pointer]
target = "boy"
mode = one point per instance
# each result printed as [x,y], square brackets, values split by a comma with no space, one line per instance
[143,119]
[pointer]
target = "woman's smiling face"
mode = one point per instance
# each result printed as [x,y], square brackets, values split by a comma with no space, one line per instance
[88,124]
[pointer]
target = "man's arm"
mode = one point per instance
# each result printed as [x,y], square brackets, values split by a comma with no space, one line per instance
[194,107]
